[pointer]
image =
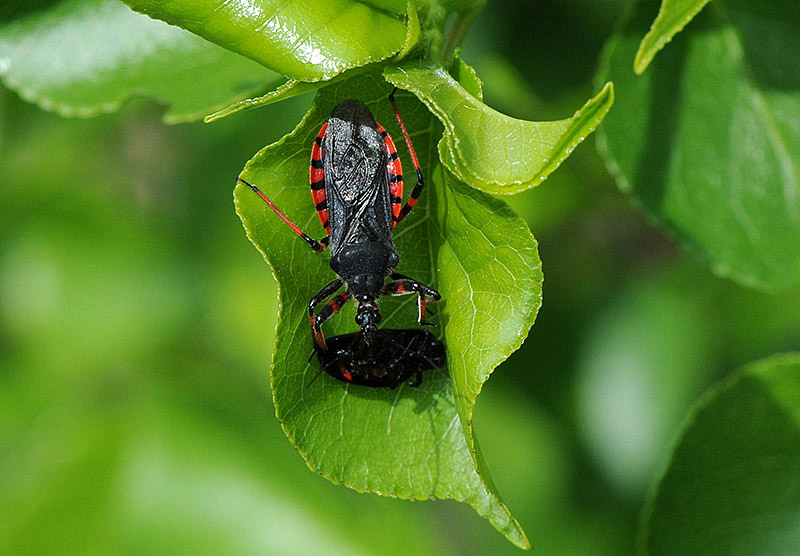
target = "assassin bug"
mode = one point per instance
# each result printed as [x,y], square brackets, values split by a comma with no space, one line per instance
[391,359]
[357,186]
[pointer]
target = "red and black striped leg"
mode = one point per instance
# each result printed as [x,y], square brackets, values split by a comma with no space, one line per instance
[404,285]
[317,246]
[330,309]
[415,193]
[316,176]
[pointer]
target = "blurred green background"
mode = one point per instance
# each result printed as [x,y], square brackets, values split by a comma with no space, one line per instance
[136,326]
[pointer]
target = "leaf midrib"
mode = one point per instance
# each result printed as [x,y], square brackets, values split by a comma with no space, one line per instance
[761,107]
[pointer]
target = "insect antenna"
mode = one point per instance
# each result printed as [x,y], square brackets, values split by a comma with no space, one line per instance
[316,376]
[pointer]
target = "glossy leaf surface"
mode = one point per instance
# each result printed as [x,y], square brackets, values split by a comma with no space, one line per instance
[413,443]
[83,57]
[306,40]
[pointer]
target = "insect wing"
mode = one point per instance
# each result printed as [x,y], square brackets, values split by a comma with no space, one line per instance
[354,162]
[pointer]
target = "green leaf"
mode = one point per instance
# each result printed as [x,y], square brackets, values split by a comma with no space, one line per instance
[412,443]
[293,87]
[732,485]
[467,77]
[707,139]
[83,57]
[305,40]
[287,90]
[672,17]
[489,150]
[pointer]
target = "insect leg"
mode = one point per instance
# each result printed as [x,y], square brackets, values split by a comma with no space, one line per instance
[330,309]
[415,193]
[317,246]
[417,379]
[403,285]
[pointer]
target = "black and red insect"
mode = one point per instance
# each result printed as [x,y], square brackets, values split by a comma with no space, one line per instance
[393,357]
[357,186]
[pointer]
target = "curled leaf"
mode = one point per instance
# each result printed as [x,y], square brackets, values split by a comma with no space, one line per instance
[489,150]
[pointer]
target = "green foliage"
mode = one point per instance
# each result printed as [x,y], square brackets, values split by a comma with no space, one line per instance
[487,149]
[465,224]
[474,249]
[732,486]
[706,140]
[83,57]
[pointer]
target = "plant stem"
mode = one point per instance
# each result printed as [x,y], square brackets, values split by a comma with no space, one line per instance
[461,24]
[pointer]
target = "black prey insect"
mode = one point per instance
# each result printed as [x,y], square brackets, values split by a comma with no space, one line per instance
[357,186]
[391,359]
